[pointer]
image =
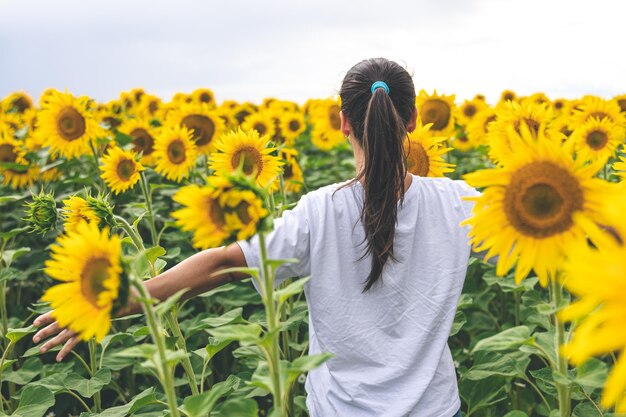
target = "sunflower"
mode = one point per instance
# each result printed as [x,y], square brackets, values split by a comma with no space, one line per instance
[76,210]
[326,133]
[120,171]
[175,152]
[204,96]
[248,150]
[143,135]
[480,125]
[67,125]
[597,140]
[241,111]
[17,102]
[466,111]
[537,98]
[88,262]
[596,277]
[539,201]
[424,153]
[507,95]
[621,102]
[592,106]
[203,122]
[16,171]
[292,125]
[218,212]
[437,110]
[536,117]
[150,106]
[262,122]
[292,173]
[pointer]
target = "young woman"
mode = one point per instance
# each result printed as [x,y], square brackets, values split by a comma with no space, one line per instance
[387,260]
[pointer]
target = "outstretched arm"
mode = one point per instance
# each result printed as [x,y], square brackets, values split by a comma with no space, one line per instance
[197,273]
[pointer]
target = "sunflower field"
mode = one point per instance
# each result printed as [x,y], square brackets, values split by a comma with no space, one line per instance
[98,197]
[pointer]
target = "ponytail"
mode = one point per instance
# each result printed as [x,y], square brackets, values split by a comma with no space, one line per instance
[379,121]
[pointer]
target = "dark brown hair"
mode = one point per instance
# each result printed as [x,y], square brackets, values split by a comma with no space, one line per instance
[379,124]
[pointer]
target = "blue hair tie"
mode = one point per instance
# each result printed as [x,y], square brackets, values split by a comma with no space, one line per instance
[380,84]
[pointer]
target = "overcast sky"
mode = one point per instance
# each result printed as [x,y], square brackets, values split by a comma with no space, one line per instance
[247,50]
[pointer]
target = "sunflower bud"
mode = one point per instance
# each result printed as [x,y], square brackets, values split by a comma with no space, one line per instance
[103,209]
[41,213]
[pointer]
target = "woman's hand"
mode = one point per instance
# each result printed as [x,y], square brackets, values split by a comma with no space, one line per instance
[61,335]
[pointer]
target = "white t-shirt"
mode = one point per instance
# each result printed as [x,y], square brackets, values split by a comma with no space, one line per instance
[390,344]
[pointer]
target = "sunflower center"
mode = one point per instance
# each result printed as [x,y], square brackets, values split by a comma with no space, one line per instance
[216,212]
[92,279]
[622,105]
[469,110]
[125,169]
[418,162]
[142,141]
[508,97]
[7,153]
[333,117]
[249,158]
[541,198]
[294,125]
[260,127]
[288,172]
[176,152]
[70,123]
[558,105]
[202,126]
[462,137]
[241,115]
[205,98]
[487,121]
[597,139]
[22,104]
[242,212]
[533,126]
[598,115]
[437,112]
[153,106]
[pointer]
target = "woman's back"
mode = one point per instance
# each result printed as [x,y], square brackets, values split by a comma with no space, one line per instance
[390,343]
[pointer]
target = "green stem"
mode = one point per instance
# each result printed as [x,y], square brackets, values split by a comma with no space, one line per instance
[273,323]
[82,361]
[155,327]
[563,391]
[93,369]
[146,193]
[172,321]
[134,236]
[3,308]
[517,307]
[204,368]
[4,356]
[538,392]
[72,393]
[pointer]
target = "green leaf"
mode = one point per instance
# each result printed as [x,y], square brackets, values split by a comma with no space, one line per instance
[586,409]
[6,364]
[26,373]
[591,374]
[34,402]
[239,407]
[253,272]
[280,296]
[245,334]
[506,340]
[54,382]
[489,363]
[482,394]
[215,346]
[459,320]
[144,351]
[230,317]
[146,397]
[8,256]
[154,252]
[7,199]
[516,413]
[88,387]
[167,305]
[201,405]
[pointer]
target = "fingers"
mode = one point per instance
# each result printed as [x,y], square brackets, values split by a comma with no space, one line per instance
[44,319]
[52,329]
[62,337]
[69,345]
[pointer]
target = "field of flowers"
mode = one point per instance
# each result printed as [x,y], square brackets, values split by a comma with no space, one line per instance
[98,197]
